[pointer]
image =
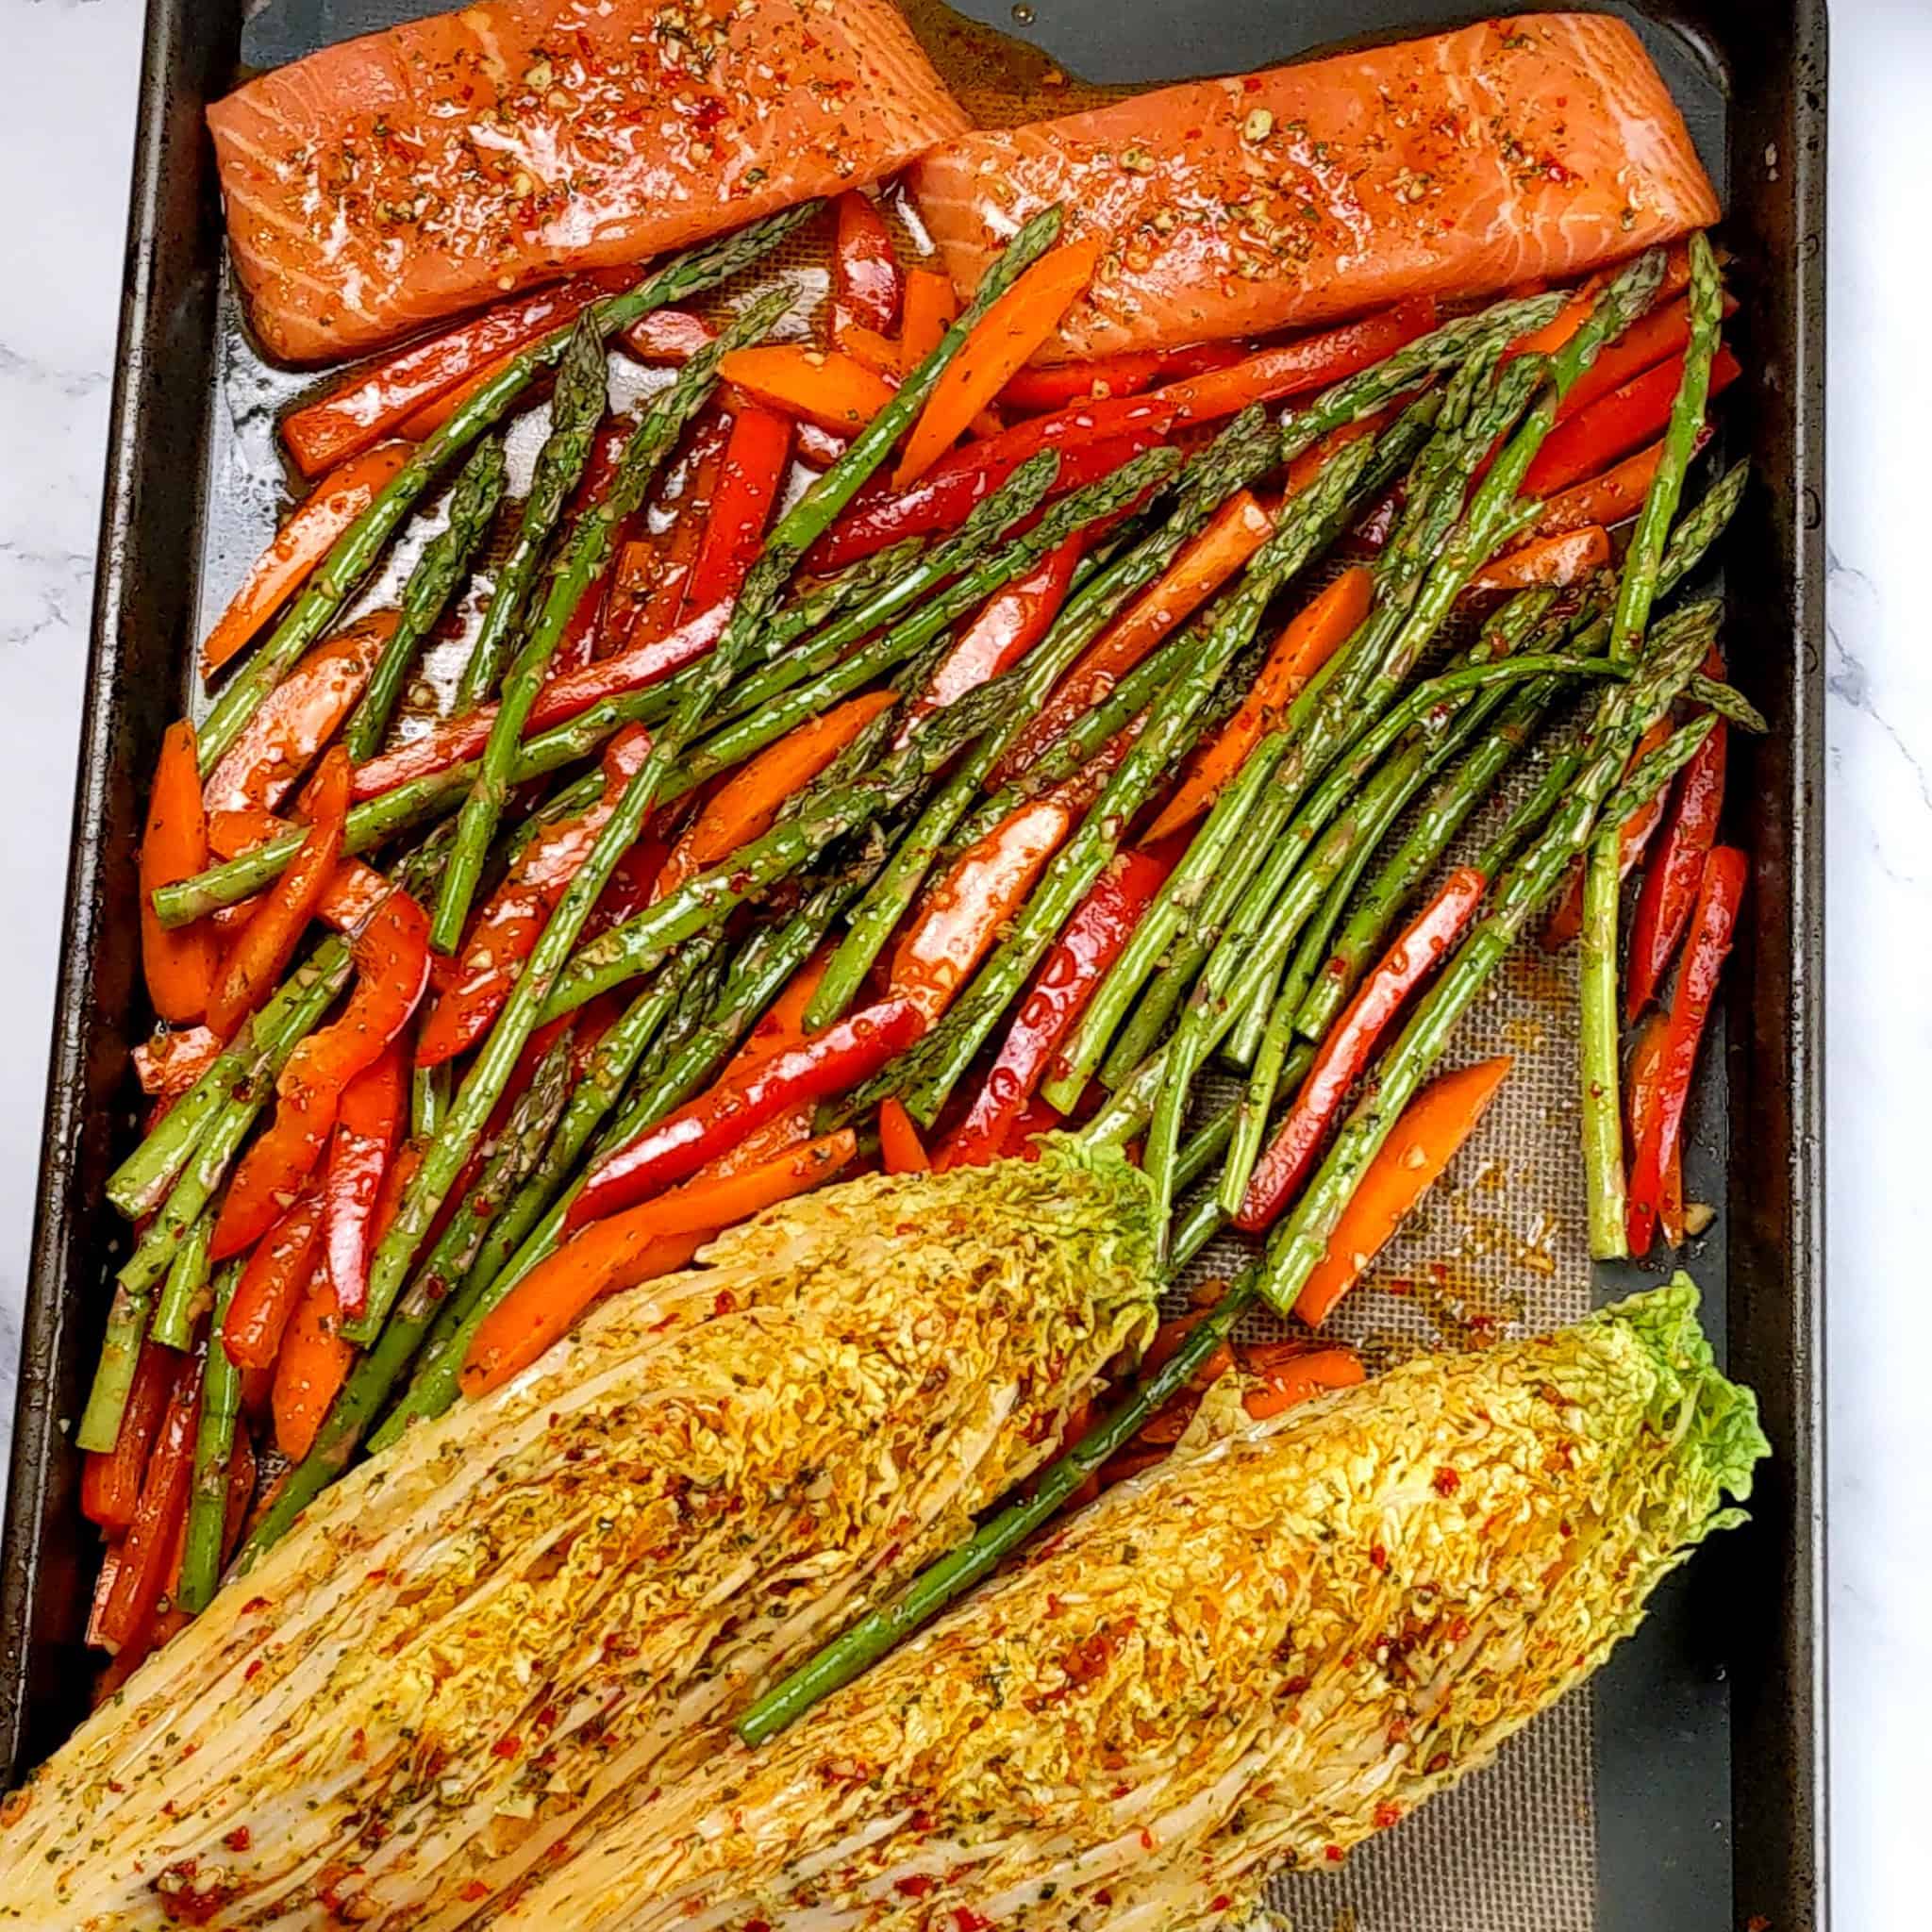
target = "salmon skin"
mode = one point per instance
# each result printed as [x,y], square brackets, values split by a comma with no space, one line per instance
[390,181]
[1538,146]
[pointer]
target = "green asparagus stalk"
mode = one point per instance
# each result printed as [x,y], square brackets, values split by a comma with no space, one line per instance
[180,1306]
[1637,588]
[577,407]
[587,555]
[128,1320]
[357,549]
[214,1445]
[444,564]
[429,1099]
[785,545]
[953,1575]
[1624,713]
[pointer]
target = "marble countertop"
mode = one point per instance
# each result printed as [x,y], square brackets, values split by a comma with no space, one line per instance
[67,142]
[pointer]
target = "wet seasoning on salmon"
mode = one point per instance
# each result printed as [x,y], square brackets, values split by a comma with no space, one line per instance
[1539,146]
[391,180]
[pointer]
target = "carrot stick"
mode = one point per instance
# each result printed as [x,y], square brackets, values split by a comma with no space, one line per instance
[1307,643]
[262,953]
[1007,334]
[179,966]
[900,1147]
[1553,561]
[300,544]
[1226,543]
[748,803]
[311,1368]
[1437,1121]
[634,1246]
[816,385]
[925,315]
[870,350]
[1606,499]
[1291,1374]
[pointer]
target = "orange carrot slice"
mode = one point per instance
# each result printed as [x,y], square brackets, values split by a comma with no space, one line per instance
[634,1246]
[1290,1373]
[901,1150]
[928,312]
[1423,1142]
[300,544]
[1003,338]
[816,385]
[1307,643]
[179,966]
[1550,562]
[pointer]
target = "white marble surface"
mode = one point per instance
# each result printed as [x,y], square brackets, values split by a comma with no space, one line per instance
[65,144]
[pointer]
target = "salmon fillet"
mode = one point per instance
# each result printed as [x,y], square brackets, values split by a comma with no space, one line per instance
[391,180]
[1536,145]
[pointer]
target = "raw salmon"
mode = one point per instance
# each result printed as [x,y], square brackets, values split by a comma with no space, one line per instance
[391,180]
[1535,146]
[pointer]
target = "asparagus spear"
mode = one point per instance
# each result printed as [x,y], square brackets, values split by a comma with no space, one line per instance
[429,1099]
[214,1444]
[1603,1110]
[180,1306]
[795,533]
[443,566]
[359,547]
[577,407]
[587,553]
[1624,713]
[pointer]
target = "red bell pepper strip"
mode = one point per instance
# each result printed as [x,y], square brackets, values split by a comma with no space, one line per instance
[373,403]
[1616,424]
[297,719]
[503,933]
[272,1284]
[301,543]
[638,1245]
[668,335]
[1566,921]
[1423,1142]
[1034,389]
[1417,949]
[867,286]
[110,1479]
[961,916]
[841,1055]
[943,498]
[1230,536]
[367,1131]
[458,739]
[1670,881]
[901,1150]
[255,963]
[1000,343]
[1713,925]
[1003,630]
[1080,961]
[578,643]
[391,957]
[734,527]
[180,967]
[1293,369]
[162,1507]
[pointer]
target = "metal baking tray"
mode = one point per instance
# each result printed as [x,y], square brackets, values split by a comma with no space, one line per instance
[1694,1799]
